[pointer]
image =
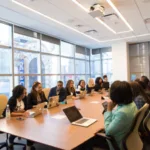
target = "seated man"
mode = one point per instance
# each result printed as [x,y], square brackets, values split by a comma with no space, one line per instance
[58,90]
[105,82]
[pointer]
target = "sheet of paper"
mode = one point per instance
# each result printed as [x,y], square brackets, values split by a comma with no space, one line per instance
[94,102]
[59,117]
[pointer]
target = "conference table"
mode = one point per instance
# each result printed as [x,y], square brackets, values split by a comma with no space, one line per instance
[53,128]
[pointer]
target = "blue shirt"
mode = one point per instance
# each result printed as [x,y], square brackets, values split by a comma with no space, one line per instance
[119,121]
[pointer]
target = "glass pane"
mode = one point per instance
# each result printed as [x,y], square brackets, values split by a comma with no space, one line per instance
[80,67]
[106,55]
[26,42]
[67,66]
[87,51]
[80,55]
[87,79]
[26,63]
[67,49]
[6,85]
[96,67]
[50,64]
[26,81]
[107,66]
[78,78]
[50,81]
[66,78]
[5,61]
[50,48]
[87,67]
[94,76]
[5,35]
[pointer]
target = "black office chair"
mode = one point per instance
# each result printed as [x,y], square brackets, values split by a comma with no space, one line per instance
[4,144]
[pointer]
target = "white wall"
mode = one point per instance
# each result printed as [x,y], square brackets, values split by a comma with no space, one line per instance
[120,61]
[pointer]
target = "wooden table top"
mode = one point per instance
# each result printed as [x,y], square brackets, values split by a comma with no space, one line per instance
[58,133]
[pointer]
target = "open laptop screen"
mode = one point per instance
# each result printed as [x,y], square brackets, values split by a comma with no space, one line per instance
[72,113]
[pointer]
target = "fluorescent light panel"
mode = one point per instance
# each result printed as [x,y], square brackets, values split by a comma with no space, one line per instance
[119,14]
[102,22]
[60,23]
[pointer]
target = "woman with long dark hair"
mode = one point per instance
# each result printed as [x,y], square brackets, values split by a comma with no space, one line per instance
[70,90]
[36,96]
[98,83]
[139,95]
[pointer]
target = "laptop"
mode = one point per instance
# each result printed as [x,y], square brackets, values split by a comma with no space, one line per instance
[76,118]
[37,111]
[69,99]
[106,85]
[82,94]
[53,102]
[91,93]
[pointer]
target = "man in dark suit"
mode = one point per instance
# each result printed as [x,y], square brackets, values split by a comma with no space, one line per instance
[58,90]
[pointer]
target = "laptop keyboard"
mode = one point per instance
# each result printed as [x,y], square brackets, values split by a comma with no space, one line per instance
[82,121]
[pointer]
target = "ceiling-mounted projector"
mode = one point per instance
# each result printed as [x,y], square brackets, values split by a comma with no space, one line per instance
[97,10]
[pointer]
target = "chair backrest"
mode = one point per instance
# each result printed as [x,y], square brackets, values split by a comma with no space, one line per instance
[133,141]
[3,103]
[46,92]
[146,123]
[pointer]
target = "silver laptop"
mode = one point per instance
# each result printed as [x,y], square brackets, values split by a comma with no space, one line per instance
[91,93]
[82,94]
[37,110]
[53,101]
[69,99]
[76,118]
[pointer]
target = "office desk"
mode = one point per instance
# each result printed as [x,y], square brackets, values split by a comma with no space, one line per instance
[58,133]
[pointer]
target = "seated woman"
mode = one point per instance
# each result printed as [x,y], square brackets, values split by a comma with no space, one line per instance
[70,90]
[81,86]
[118,121]
[139,96]
[98,84]
[18,106]
[90,86]
[36,96]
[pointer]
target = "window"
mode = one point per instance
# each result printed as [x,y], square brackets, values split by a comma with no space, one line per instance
[50,64]
[26,62]
[50,48]
[5,35]
[80,66]
[87,63]
[67,49]
[26,42]
[65,78]
[50,81]
[6,85]
[96,67]
[5,61]
[80,52]
[26,81]
[78,78]
[67,66]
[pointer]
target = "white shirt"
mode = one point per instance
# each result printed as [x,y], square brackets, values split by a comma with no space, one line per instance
[20,105]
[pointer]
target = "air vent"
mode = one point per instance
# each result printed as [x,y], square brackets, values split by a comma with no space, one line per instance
[91,32]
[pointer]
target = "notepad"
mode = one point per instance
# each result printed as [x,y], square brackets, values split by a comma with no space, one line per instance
[59,117]
[94,102]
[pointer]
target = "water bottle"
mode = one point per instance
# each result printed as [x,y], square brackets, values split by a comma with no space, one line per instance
[7,112]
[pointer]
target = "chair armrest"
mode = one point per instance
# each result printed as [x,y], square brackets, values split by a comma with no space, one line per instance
[104,136]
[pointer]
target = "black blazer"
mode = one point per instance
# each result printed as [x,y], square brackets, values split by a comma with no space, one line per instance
[13,103]
[98,87]
[32,100]
[89,89]
[68,92]
[62,93]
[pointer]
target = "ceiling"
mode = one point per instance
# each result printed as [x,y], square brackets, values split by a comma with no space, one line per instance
[67,21]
